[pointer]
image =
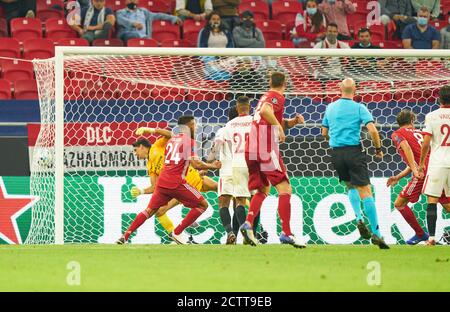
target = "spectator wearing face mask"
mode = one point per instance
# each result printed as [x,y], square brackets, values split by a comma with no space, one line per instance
[421,35]
[195,9]
[136,22]
[445,36]
[331,39]
[336,11]
[398,12]
[215,34]
[309,26]
[247,35]
[434,6]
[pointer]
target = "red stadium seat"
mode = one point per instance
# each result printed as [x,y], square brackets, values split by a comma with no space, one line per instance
[57,28]
[3,27]
[10,47]
[142,42]
[38,49]
[375,91]
[389,44]
[192,38]
[190,26]
[378,32]
[165,30]
[17,70]
[46,9]
[271,29]
[361,6]
[26,28]
[438,24]
[116,4]
[176,43]
[156,6]
[25,90]
[113,42]
[279,44]
[259,8]
[2,12]
[76,42]
[5,89]
[286,11]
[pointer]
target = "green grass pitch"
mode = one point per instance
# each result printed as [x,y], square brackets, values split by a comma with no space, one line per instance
[224,268]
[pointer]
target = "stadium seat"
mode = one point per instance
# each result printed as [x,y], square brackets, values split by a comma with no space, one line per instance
[361,6]
[259,8]
[156,6]
[117,5]
[279,44]
[5,89]
[378,32]
[26,28]
[375,91]
[10,47]
[389,44]
[57,28]
[142,42]
[38,49]
[192,38]
[176,43]
[113,42]
[3,27]
[76,42]
[46,9]
[2,12]
[165,30]
[271,29]
[25,90]
[17,70]
[439,24]
[286,11]
[190,26]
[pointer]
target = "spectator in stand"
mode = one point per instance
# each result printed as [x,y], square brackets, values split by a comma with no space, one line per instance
[228,11]
[84,3]
[309,26]
[247,35]
[336,11]
[434,6]
[398,12]
[215,34]
[421,35]
[136,22]
[195,9]
[16,8]
[331,39]
[365,40]
[445,36]
[96,22]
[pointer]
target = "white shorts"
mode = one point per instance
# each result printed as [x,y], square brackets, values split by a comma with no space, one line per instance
[235,185]
[436,181]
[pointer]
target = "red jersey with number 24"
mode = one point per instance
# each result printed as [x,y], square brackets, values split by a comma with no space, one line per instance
[414,137]
[179,150]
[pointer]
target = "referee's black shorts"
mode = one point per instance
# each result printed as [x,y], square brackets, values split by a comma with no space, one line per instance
[350,162]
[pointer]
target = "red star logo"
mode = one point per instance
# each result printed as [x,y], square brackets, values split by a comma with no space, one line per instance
[11,207]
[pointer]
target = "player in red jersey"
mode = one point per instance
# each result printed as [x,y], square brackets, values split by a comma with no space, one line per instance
[179,154]
[264,161]
[408,141]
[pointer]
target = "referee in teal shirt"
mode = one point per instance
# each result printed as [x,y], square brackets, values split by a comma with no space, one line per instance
[342,127]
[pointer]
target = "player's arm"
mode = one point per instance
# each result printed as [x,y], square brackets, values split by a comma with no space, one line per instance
[394,180]
[269,116]
[163,132]
[325,133]
[375,139]
[409,156]
[213,152]
[135,191]
[423,154]
[292,122]
[201,165]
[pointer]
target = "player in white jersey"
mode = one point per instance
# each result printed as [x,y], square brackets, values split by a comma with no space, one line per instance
[437,181]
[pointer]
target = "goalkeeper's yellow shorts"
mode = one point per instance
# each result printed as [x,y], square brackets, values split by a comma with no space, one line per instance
[194,179]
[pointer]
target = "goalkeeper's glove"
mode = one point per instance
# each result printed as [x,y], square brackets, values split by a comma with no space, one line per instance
[135,192]
[144,130]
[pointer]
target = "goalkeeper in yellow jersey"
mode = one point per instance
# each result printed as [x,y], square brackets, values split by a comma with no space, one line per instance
[155,162]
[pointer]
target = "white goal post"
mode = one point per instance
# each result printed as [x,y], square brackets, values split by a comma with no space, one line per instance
[298,56]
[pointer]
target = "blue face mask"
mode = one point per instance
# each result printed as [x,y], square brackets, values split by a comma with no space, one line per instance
[331,1]
[311,11]
[422,21]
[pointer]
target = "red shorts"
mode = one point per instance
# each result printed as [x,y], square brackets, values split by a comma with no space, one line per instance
[413,190]
[268,173]
[184,193]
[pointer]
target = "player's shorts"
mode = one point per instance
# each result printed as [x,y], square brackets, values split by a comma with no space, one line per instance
[235,185]
[261,174]
[413,190]
[350,162]
[436,181]
[184,193]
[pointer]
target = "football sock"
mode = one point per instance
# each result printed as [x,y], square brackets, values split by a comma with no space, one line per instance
[235,224]
[226,219]
[431,219]
[371,212]
[137,222]
[355,201]
[189,219]
[284,211]
[256,223]
[166,223]
[255,206]
[409,216]
[239,217]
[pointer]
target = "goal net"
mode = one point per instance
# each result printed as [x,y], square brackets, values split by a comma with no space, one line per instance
[97,97]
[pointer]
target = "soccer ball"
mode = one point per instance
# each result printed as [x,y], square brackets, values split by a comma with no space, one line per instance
[45,159]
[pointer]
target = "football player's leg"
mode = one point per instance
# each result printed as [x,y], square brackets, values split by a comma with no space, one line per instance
[355,200]
[433,186]
[239,211]
[209,185]
[401,204]
[162,217]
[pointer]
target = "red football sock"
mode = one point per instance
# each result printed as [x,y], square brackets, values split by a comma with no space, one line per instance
[189,219]
[255,206]
[284,211]
[409,216]
[138,221]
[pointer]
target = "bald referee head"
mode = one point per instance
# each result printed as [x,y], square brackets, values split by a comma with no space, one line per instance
[342,127]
